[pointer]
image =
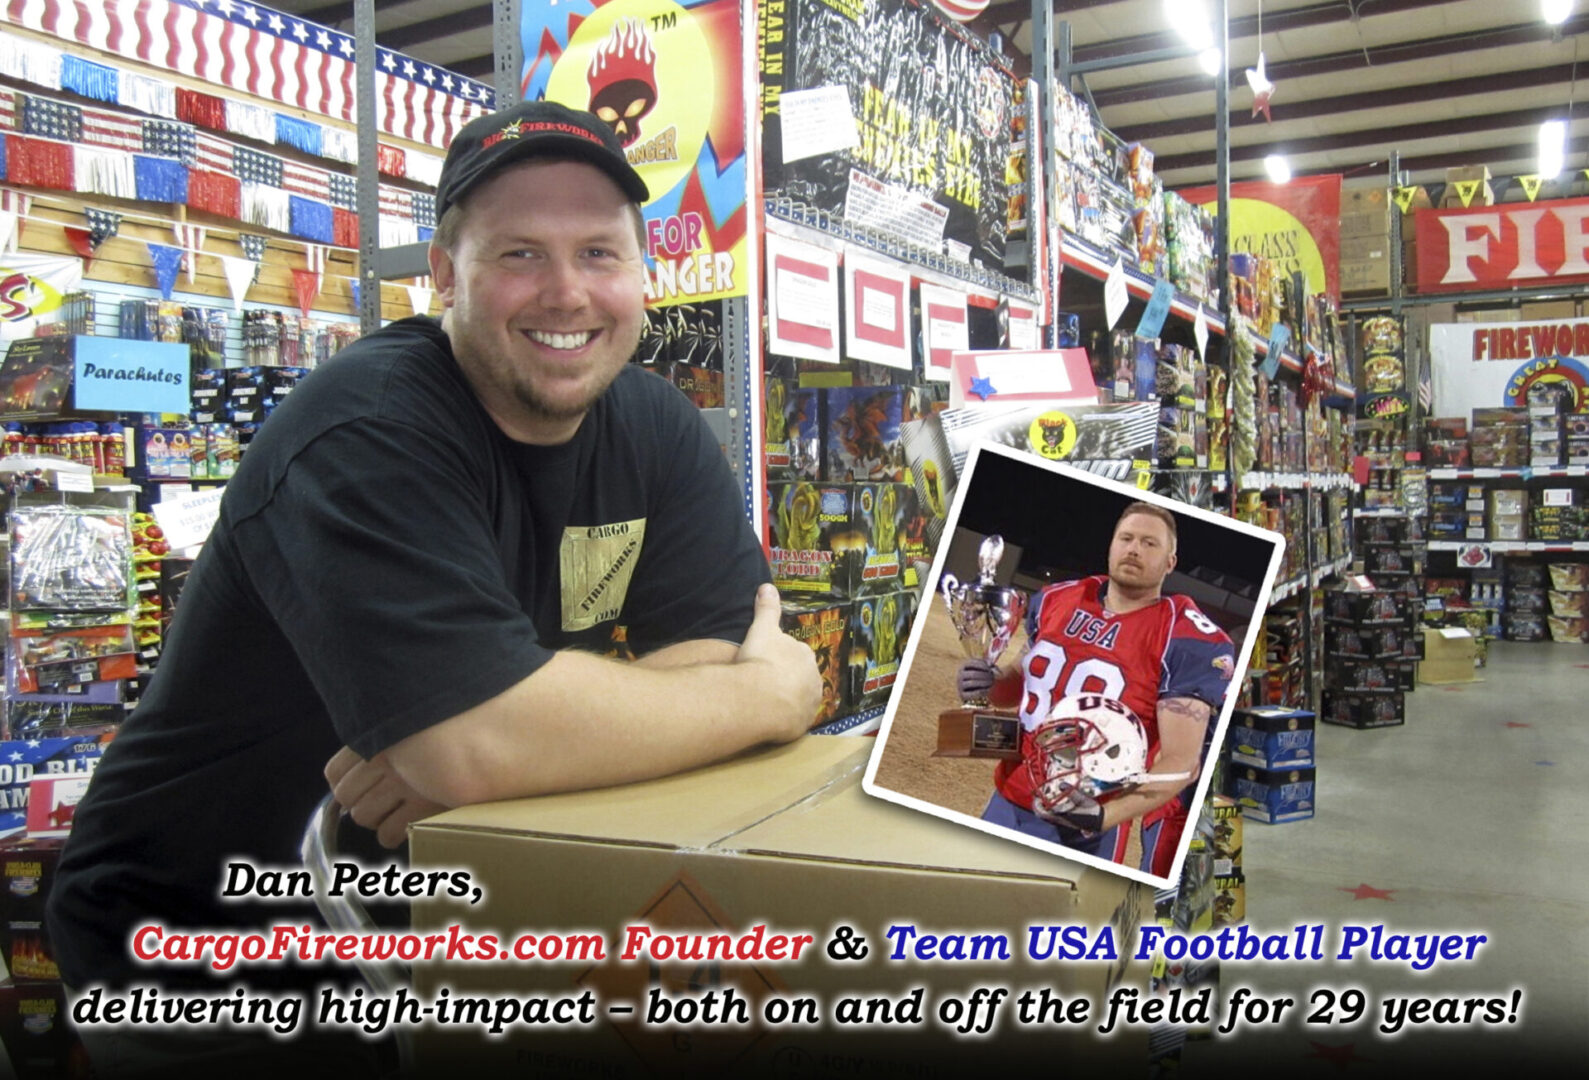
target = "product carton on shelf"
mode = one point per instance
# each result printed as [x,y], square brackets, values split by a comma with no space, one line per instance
[783,839]
[1273,796]
[1449,653]
[1270,737]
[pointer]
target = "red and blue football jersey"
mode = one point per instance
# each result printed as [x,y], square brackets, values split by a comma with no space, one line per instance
[1168,649]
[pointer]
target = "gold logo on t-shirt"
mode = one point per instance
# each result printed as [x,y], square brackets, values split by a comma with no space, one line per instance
[597,563]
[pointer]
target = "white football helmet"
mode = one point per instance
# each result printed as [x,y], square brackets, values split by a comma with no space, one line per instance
[1089,744]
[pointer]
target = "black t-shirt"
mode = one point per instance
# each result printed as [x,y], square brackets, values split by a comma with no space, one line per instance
[385,558]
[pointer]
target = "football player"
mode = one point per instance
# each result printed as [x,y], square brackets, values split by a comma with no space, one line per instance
[1119,637]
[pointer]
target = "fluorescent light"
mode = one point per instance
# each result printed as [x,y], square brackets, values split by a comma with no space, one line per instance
[1555,12]
[1211,61]
[1552,147]
[1189,19]
[1278,168]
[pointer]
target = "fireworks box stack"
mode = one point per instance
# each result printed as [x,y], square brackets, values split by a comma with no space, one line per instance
[1367,657]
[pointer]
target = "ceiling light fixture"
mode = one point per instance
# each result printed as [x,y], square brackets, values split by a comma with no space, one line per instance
[1552,148]
[1555,12]
[1278,168]
[1212,61]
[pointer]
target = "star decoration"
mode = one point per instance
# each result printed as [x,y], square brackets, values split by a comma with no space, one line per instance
[33,744]
[16,755]
[408,68]
[251,15]
[387,62]
[276,23]
[225,7]
[1368,892]
[345,46]
[1338,1054]
[983,388]
[430,76]
[300,31]
[322,38]
[446,83]
[1262,89]
[1515,724]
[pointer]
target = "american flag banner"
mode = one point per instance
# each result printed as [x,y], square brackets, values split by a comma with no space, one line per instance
[8,109]
[147,94]
[339,145]
[102,225]
[215,154]
[395,232]
[171,139]
[302,135]
[253,245]
[1426,391]
[256,167]
[424,210]
[39,64]
[51,119]
[265,205]
[200,109]
[39,162]
[190,238]
[88,79]
[397,202]
[163,179]
[117,131]
[11,56]
[264,53]
[213,192]
[315,263]
[389,160]
[426,168]
[251,121]
[310,219]
[18,203]
[101,171]
[306,180]
[344,191]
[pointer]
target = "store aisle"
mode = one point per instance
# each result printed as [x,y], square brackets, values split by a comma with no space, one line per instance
[1471,819]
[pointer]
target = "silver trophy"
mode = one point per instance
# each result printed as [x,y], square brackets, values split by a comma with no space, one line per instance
[985,616]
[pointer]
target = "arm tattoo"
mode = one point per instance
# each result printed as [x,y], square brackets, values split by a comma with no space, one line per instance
[1186,708]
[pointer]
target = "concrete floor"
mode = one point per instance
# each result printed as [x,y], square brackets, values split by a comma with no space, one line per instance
[1472,818]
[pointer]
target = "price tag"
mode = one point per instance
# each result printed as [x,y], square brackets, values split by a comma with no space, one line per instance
[1158,309]
[1115,296]
[1278,338]
[1200,332]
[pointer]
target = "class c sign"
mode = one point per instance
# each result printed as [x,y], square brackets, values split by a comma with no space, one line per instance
[1501,246]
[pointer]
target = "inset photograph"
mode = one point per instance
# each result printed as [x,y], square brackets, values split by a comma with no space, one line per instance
[1076,661]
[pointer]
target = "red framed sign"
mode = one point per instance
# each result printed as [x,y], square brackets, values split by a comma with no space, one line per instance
[1496,247]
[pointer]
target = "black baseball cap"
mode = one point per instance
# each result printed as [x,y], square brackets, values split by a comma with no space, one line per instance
[529,130]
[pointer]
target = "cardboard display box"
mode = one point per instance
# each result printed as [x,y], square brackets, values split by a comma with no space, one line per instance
[1273,796]
[784,839]
[1271,737]
[1448,657]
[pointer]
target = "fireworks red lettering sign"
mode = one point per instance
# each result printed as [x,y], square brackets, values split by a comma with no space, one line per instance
[1491,247]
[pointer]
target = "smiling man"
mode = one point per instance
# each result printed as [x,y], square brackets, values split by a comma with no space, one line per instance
[416,574]
[1118,637]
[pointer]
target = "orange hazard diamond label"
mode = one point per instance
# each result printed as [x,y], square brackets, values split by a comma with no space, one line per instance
[712,994]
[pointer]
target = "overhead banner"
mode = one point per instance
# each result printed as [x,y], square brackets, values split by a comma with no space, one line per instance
[31,286]
[1488,365]
[899,121]
[1297,224]
[1496,247]
[666,76]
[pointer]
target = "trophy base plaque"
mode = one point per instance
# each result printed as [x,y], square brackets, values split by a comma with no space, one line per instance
[979,733]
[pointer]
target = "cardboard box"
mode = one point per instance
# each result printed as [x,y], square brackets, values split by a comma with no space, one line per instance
[1448,657]
[1362,249]
[879,629]
[1370,276]
[1273,796]
[1381,708]
[839,539]
[784,839]
[1270,737]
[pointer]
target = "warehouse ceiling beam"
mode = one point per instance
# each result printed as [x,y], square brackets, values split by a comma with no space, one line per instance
[334,15]
[1300,18]
[1351,59]
[1347,103]
[1393,135]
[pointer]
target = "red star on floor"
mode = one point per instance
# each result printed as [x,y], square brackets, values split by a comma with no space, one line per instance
[1514,723]
[1581,665]
[1368,892]
[1340,1055]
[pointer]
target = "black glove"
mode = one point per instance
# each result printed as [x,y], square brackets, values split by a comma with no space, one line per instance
[975,680]
[1067,806]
